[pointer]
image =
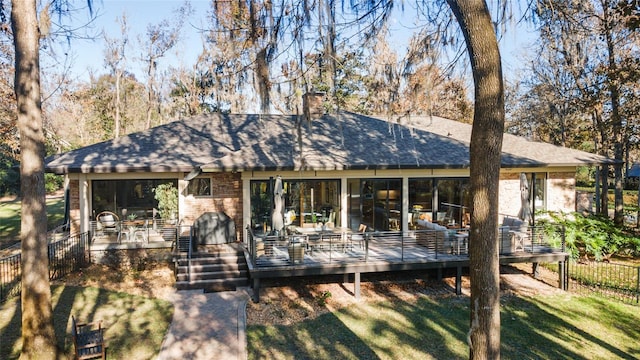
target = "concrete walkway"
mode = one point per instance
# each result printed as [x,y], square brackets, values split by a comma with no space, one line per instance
[207,326]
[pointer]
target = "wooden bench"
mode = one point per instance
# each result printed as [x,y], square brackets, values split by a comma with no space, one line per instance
[88,340]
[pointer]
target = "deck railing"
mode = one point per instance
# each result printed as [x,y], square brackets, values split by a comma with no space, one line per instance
[420,245]
[66,255]
[134,231]
[184,245]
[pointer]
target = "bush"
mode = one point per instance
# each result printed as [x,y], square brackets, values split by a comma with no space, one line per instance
[9,176]
[53,182]
[594,236]
[585,176]
[167,196]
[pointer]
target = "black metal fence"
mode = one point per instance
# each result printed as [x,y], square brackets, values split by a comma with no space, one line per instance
[66,255]
[618,281]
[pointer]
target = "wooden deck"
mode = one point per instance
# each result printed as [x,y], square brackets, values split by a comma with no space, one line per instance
[384,252]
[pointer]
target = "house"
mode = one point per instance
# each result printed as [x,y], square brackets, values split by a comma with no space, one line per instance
[342,170]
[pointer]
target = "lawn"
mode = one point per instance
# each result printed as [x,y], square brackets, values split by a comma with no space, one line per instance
[10,218]
[545,327]
[135,325]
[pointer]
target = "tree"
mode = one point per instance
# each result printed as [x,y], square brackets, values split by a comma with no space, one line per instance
[38,335]
[485,155]
[114,59]
[595,45]
[160,39]
[9,140]
[481,42]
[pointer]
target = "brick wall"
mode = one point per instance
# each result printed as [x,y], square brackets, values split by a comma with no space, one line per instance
[74,206]
[226,197]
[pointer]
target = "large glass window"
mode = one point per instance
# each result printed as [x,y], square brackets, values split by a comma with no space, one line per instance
[126,197]
[308,203]
[420,200]
[453,201]
[445,201]
[381,203]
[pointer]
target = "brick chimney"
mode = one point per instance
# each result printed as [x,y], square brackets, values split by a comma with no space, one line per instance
[312,105]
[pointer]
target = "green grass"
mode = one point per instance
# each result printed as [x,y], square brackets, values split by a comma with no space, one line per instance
[135,325]
[10,218]
[544,327]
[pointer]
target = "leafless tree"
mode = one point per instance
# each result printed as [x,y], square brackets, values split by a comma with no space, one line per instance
[160,38]
[115,59]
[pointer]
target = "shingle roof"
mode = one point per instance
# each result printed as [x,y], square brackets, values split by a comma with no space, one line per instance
[517,151]
[219,142]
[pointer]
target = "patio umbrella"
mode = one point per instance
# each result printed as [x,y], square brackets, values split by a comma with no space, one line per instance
[277,216]
[525,210]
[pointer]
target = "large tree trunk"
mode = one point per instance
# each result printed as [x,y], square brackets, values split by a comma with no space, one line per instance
[39,341]
[486,147]
[616,119]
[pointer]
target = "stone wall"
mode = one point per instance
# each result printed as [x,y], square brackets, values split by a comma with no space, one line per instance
[131,259]
[509,195]
[561,191]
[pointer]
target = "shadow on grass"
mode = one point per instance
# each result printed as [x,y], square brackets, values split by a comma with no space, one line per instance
[545,327]
[577,327]
[10,215]
[134,325]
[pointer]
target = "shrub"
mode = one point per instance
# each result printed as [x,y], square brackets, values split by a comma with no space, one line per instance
[52,182]
[594,236]
[324,298]
[9,176]
[167,196]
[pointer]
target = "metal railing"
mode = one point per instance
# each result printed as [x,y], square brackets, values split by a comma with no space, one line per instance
[183,244]
[133,231]
[617,281]
[66,255]
[326,247]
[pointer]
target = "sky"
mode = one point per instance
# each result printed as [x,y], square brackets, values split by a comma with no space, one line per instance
[89,56]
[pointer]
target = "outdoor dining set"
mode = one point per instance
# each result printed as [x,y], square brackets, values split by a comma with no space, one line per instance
[108,227]
[309,241]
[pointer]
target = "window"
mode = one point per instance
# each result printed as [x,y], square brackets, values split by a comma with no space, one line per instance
[442,200]
[306,203]
[381,203]
[200,186]
[126,197]
[538,189]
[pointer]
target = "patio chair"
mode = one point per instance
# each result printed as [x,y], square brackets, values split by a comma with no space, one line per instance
[334,241]
[519,233]
[108,223]
[358,237]
[88,340]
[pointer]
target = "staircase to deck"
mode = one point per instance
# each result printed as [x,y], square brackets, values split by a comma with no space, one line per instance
[219,268]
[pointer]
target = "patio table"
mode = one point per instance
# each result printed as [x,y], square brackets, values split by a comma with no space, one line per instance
[135,228]
[461,240]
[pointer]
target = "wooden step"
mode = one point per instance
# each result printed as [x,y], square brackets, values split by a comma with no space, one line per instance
[213,275]
[197,267]
[219,268]
[212,285]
